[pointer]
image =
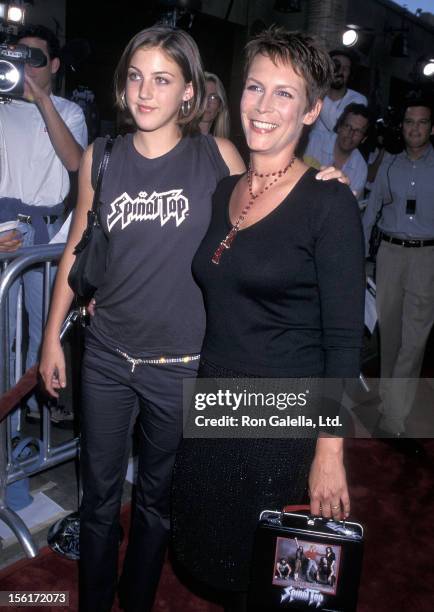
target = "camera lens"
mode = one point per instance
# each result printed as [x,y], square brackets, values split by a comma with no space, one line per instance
[9,76]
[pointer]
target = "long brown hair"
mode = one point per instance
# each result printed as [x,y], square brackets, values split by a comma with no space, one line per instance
[182,49]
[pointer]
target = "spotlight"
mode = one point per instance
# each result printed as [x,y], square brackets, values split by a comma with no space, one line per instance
[350,38]
[11,15]
[15,14]
[428,69]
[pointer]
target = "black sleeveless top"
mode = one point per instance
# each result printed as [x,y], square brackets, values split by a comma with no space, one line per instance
[155,212]
[287,299]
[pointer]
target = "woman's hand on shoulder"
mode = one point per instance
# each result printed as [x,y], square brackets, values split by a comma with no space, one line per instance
[327,173]
[230,154]
[328,487]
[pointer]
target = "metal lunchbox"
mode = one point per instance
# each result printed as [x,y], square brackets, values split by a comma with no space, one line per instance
[304,562]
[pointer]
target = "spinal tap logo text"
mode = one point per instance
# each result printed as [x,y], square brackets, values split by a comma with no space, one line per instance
[157,206]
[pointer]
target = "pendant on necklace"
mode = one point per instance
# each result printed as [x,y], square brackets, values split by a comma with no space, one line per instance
[230,237]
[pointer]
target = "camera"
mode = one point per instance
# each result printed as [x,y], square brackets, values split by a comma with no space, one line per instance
[388,131]
[12,60]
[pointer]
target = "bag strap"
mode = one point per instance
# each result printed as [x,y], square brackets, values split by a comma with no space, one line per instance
[383,202]
[101,170]
[379,212]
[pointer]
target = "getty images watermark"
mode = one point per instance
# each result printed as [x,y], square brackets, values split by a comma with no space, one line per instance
[239,401]
[297,408]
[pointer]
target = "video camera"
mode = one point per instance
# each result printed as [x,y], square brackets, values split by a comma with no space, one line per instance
[12,60]
[388,131]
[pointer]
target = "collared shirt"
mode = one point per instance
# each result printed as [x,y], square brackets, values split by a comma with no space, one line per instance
[400,179]
[332,109]
[321,149]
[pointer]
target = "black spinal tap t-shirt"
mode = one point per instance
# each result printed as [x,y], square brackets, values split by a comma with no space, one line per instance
[155,213]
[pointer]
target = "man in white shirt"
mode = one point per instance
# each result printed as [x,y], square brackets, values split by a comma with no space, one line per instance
[42,137]
[339,95]
[340,148]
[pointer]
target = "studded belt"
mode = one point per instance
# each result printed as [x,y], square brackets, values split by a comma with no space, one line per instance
[157,360]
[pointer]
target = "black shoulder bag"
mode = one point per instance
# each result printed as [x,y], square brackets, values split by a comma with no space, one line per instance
[90,253]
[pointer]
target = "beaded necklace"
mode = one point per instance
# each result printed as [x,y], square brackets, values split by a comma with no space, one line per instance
[230,237]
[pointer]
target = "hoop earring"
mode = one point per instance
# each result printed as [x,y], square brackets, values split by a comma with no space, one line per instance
[123,100]
[185,108]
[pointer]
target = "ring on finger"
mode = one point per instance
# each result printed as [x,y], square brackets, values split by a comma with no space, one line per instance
[335,507]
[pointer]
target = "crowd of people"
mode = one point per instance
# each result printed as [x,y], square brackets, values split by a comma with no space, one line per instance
[237,272]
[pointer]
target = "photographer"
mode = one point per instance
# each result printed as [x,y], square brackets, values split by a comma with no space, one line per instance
[41,139]
[339,95]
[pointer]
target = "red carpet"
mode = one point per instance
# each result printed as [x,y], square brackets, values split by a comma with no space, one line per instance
[392,497]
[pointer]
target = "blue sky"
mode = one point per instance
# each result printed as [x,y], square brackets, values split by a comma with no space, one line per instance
[412,5]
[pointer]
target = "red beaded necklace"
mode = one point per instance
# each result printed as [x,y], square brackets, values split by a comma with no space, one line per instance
[228,240]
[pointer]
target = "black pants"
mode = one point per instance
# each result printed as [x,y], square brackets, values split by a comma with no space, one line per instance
[113,397]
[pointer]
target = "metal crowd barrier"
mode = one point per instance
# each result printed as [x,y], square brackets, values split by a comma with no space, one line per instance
[13,265]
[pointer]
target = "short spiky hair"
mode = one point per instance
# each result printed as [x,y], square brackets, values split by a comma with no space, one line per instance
[306,55]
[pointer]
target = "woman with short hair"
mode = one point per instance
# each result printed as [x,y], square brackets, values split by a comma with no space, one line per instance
[281,269]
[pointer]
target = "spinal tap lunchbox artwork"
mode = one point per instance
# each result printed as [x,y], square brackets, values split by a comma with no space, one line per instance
[302,562]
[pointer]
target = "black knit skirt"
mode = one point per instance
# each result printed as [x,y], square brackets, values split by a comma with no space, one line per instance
[220,486]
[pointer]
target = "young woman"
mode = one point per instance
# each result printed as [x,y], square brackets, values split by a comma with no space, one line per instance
[281,269]
[215,119]
[149,320]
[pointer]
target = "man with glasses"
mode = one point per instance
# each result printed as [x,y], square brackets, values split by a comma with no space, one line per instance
[340,148]
[404,193]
